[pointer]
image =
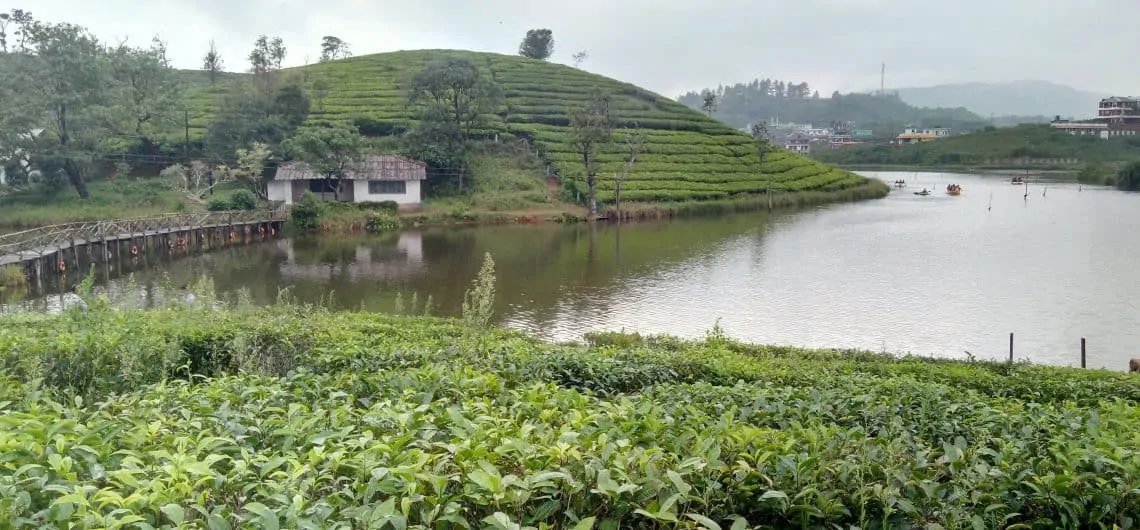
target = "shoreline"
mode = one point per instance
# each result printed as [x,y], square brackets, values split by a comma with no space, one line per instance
[350,221]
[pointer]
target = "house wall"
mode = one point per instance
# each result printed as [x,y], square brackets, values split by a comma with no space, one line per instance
[280,190]
[410,196]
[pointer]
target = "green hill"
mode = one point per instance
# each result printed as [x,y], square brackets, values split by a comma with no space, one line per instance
[689,156]
[994,147]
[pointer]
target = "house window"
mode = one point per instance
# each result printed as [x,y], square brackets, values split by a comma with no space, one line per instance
[387,187]
[319,186]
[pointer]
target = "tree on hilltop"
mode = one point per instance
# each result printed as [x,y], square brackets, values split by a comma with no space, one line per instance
[591,129]
[265,62]
[538,44]
[708,102]
[212,63]
[579,58]
[332,48]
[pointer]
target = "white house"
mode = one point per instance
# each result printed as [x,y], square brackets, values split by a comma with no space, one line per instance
[937,132]
[798,142]
[378,178]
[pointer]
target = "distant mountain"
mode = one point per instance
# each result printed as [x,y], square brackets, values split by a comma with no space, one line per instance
[1022,98]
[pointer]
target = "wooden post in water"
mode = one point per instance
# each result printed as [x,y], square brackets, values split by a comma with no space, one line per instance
[1083,358]
[1011,347]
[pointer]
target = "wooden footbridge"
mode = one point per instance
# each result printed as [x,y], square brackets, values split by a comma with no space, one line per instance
[52,248]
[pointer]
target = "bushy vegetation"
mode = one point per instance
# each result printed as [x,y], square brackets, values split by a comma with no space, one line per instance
[688,156]
[993,146]
[225,416]
[32,206]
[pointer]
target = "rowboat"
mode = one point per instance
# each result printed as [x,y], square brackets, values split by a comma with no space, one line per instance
[953,189]
[923,193]
[954,192]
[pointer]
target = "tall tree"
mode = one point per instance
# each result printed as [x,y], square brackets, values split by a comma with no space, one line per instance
[332,48]
[265,62]
[212,63]
[538,44]
[65,81]
[148,89]
[453,97]
[458,86]
[579,58]
[709,102]
[332,152]
[5,18]
[591,129]
[25,23]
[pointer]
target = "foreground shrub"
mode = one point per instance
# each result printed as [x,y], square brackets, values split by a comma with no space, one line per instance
[299,417]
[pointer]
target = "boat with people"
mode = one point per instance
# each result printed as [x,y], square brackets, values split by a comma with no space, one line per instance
[923,193]
[1017,180]
[900,183]
[953,189]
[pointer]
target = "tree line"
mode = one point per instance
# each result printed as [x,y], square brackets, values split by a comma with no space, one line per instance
[761,99]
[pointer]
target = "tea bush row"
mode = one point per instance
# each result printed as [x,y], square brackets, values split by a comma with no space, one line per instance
[348,420]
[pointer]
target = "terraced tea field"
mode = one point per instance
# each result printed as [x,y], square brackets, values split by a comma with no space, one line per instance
[689,156]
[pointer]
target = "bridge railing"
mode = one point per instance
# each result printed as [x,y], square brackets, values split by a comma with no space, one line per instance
[65,235]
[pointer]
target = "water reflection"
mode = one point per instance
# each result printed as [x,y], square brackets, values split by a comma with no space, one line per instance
[930,275]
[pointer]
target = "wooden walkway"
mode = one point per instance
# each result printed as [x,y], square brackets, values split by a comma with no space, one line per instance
[33,248]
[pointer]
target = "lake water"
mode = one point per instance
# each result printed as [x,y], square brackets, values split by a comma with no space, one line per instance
[935,275]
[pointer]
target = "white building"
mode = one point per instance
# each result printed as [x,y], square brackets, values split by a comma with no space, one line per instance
[378,178]
[937,132]
[798,142]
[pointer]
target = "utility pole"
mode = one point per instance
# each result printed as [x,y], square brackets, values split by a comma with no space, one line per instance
[883,80]
[186,141]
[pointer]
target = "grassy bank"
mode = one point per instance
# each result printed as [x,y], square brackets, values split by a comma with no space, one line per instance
[298,417]
[343,218]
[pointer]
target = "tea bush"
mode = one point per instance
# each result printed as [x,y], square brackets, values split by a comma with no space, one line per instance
[217,416]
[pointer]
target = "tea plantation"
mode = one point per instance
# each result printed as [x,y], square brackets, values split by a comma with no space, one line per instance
[289,417]
[689,156]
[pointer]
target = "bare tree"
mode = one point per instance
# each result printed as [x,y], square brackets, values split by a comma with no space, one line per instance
[580,58]
[591,128]
[634,147]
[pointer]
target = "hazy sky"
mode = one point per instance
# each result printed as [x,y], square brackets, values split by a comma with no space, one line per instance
[670,46]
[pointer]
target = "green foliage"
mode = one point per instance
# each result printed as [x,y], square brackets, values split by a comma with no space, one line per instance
[299,417]
[1129,177]
[1097,173]
[383,221]
[121,198]
[306,214]
[12,276]
[479,301]
[241,199]
[538,44]
[332,152]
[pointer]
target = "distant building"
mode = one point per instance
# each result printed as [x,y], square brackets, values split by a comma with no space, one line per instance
[1116,116]
[798,142]
[379,178]
[914,138]
[937,132]
[862,133]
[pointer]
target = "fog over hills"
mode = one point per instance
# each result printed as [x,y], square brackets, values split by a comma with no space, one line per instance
[1021,98]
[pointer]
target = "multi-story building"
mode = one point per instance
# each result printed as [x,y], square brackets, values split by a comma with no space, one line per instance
[798,142]
[1115,116]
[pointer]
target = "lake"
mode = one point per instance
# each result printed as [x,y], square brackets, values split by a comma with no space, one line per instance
[935,275]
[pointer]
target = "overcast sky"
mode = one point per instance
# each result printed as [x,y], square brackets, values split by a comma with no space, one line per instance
[670,46]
